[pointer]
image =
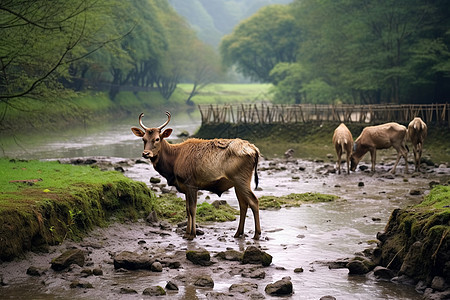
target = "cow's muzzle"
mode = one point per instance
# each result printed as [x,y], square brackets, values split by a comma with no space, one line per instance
[147,154]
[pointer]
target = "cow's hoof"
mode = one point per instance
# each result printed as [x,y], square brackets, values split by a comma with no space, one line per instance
[189,237]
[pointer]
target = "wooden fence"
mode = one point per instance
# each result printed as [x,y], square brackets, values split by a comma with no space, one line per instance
[301,113]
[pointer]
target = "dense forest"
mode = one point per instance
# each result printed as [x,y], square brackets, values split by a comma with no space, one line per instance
[52,48]
[311,51]
[390,51]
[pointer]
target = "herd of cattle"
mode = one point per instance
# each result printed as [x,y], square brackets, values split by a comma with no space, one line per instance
[382,136]
[220,164]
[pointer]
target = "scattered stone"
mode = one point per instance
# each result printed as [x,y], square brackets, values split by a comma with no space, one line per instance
[127,291]
[35,271]
[155,180]
[231,255]
[171,286]
[199,257]
[280,287]
[156,267]
[253,255]
[289,153]
[204,281]
[415,192]
[383,273]
[73,256]
[218,203]
[255,274]
[86,272]
[360,183]
[97,272]
[328,297]
[81,284]
[132,261]
[298,270]
[439,284]
[154,291]
[357,267]
[243,288]
[152,218]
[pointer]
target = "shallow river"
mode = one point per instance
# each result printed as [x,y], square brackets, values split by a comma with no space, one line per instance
[296,237]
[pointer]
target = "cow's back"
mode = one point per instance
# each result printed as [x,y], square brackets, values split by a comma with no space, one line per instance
[212,163]
[382,136]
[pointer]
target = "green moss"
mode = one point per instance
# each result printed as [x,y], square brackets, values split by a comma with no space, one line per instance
[65,202]
[427,223]
[292,200]
[172,208]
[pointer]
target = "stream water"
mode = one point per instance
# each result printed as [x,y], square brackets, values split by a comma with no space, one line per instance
[304,236]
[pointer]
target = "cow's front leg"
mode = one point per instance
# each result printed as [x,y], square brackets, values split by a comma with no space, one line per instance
[191,209]
[373,156]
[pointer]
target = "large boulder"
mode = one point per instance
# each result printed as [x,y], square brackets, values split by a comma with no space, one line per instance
[199,257]
[280,287]
[72,256]
[253,255]
[132,261]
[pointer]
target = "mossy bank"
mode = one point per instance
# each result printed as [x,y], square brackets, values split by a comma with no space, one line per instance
[416,240]
[43,203]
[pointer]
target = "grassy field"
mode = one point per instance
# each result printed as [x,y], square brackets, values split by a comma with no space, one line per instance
[227,93]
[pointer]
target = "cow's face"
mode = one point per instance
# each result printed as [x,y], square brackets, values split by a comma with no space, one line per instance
[353,163]
[152,137]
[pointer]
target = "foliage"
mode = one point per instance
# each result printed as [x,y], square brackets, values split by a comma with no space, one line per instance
[51,49]
[257,44]
[41,39]
[348,51]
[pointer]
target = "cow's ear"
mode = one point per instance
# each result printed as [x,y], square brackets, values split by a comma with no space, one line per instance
[166,133]
[137,132]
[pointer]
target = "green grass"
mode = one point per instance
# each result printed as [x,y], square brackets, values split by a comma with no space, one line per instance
[227,93]
[294,200]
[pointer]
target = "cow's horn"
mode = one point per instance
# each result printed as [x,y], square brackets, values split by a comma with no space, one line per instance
[140,121]
[167,122]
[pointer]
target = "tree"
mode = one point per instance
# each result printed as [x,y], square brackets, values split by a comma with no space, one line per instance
[40,39]
[262,41]
[205,68]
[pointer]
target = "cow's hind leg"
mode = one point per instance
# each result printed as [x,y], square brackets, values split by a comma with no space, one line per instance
[191,209]
[247,198]
[401,152]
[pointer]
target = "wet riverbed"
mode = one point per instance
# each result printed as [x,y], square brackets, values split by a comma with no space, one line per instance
[305,237]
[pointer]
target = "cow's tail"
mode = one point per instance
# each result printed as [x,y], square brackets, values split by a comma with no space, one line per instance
[256,170]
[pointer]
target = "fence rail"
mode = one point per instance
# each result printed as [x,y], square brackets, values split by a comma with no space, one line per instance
[301,113]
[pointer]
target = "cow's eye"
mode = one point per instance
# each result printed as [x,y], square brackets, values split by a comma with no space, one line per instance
[157,139]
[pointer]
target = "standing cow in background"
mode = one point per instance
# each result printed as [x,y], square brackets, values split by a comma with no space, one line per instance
[343,142]
[212,165]
[380,137]
[417,132]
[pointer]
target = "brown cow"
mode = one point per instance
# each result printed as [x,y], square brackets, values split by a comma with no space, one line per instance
[343,142]
[212,165]
[380,137]
[417,132]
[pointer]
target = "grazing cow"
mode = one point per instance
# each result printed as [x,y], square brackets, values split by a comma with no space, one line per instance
[343,142]
[417,132]
[212,165]
[380,137]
